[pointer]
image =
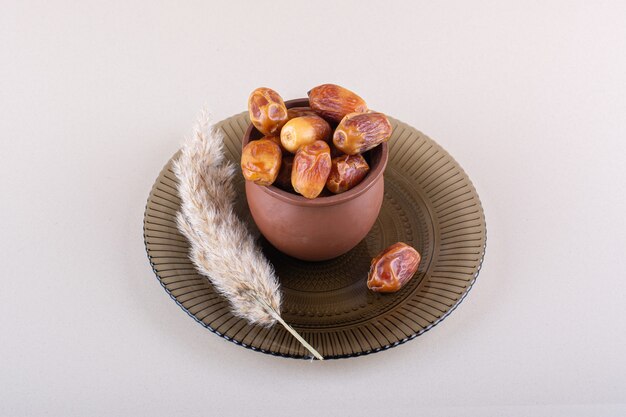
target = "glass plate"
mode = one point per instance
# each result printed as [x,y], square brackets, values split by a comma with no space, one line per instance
[429,203]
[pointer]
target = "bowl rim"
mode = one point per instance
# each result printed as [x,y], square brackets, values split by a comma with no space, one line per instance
[376,172]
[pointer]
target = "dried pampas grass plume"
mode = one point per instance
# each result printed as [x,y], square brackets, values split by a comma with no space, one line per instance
[222,248]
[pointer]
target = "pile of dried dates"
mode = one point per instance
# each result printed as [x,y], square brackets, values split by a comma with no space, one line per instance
[301,151]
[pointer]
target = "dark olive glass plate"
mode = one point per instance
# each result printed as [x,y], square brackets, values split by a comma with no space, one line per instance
[429,203]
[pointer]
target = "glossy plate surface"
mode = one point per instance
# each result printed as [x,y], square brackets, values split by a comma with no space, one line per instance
[429,203]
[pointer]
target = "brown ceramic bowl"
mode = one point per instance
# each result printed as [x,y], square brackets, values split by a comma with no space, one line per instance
[322,228]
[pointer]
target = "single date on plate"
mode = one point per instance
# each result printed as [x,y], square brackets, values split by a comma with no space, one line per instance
[393,268]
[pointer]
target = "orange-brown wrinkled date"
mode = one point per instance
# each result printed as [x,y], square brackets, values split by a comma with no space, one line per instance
[393,268]
[260,161]
[346,172]
[267,111]
[302,131]
[334,102]
[311,167]
[283,180]
[294,112]
[360,132]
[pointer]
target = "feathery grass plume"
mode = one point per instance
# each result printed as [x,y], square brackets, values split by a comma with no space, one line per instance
[222,248]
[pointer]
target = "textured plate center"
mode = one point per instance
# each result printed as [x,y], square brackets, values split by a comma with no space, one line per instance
[333,292]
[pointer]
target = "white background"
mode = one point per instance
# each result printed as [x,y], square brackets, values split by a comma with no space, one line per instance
[530,98]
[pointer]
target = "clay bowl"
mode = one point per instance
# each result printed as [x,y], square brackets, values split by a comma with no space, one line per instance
[322,228]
